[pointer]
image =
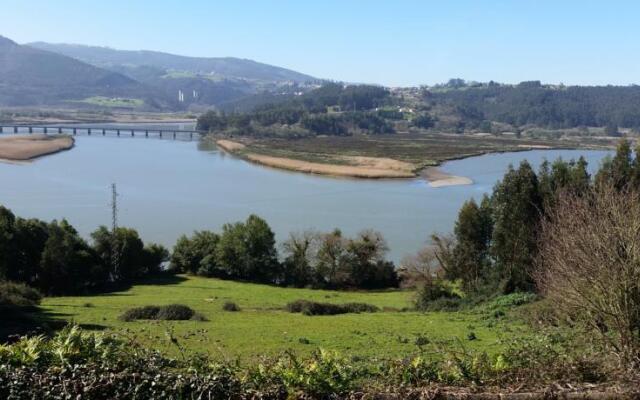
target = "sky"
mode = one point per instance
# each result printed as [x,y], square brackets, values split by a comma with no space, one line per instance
[394,42]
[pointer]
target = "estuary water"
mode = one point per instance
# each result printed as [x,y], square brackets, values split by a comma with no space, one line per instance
[172,187]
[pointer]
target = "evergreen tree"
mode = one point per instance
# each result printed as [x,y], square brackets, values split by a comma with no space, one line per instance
[580,177]
[7,242]
[31,237]
[67,264]
[472,233]
[517,207]
[635,169]
[617,171]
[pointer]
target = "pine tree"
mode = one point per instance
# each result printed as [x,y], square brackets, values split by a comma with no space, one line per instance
[517,207]
[472,233]
[617,171]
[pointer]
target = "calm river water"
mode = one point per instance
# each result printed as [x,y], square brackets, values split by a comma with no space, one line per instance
[168,188]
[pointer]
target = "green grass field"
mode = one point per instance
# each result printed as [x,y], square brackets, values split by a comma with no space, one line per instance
[262,327]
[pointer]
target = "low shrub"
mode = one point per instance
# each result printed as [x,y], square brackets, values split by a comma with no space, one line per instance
[172,312]
[175,312]
[18,294]
[511,300]
[146,312]
[435,294]
[315,308]
[230,306]
[296,306]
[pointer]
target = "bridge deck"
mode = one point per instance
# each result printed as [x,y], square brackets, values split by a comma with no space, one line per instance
[99,130]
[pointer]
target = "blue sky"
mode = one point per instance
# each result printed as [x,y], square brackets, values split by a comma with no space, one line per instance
[395,42]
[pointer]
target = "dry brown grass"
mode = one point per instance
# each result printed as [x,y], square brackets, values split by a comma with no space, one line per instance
[23,148]
[230,145]
[347,166]
[362,167]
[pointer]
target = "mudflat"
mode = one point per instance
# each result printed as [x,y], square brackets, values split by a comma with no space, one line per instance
[438,178]
[24,148]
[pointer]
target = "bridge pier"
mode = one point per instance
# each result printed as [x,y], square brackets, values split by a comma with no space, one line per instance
[30,129]
[160,134]
[174,135]
[132,133]
[104,132]
[191,135]
[118,132]
[146,133]
[45,130]
[15,129]
[59,130]
[75,131]
[1,129]
[89,131]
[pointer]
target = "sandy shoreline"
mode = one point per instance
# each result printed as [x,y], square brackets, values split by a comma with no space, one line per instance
[357,167]
[18,149]
[438,178]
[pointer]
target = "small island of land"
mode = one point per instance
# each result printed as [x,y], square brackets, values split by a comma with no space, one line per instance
[25,148]
[344,166]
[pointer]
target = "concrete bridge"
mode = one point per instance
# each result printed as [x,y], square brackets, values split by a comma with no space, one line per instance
[104,131]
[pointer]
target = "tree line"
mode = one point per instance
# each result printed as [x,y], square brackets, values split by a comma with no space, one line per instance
[542,105]
[53,258]
[246,251]
[496,242]
[353,108]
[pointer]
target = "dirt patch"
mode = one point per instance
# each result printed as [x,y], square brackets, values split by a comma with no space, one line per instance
[23,148]
[438,178]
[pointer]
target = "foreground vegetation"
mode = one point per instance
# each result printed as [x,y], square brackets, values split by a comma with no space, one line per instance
[265,326]
[75,363]
[537,285]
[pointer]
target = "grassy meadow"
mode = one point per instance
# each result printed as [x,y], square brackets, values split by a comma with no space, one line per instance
[264,327]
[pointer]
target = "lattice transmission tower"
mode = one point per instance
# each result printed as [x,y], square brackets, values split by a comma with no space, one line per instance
[115,247]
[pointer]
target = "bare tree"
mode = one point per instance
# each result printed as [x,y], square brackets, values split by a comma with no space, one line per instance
[589,265]
[419,268]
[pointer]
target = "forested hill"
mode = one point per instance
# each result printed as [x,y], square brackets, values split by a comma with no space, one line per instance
[224,67]
[551,106]
[455,107]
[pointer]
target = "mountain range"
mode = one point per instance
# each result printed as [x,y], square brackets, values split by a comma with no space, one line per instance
[76,75]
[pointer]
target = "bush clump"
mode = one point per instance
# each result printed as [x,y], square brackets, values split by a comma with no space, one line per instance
[315,308]
[230,306]
[171,312]
[18,294]
[436,295]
